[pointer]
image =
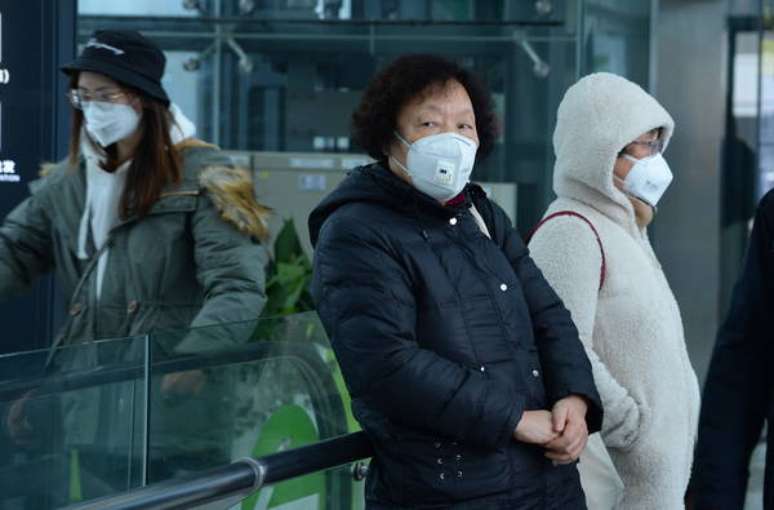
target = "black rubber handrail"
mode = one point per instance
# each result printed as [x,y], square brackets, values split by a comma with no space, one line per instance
[240,478]
[119,372]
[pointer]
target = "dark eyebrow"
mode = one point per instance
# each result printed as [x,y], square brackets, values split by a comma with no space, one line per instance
[98,89]
[436,109]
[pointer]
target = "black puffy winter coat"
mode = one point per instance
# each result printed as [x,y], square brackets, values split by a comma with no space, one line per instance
[445,337]
[738,397]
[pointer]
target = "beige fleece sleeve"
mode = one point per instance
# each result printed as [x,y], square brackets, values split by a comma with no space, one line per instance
[566,251]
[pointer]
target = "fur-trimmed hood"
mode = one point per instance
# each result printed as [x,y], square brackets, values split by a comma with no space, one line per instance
[598,117]
[207,169]
[231,190]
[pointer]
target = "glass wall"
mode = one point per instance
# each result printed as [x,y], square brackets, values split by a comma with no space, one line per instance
[750,109]
[748,151]
[283,76]
[765,175]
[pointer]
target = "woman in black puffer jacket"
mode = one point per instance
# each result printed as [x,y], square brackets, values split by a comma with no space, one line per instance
[465,368]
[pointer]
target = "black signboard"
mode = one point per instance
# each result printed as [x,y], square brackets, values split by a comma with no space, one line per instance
[36,37]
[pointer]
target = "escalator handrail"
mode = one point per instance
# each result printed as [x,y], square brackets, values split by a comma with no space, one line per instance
[126,371]
[238,478]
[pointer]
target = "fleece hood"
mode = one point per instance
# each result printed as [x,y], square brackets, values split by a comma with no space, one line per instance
[597,118]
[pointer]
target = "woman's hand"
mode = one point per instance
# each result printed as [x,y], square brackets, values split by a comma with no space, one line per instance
[188,383]
[535,427]
[17,421]
[569,422]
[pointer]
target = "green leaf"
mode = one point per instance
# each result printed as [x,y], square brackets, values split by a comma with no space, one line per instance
[288,277]
[288,274]
[287,246]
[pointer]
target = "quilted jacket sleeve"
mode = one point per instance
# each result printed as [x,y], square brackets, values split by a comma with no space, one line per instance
[26,249]
[230,264]
[566,367]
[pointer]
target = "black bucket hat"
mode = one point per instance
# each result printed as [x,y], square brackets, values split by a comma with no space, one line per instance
[125,56]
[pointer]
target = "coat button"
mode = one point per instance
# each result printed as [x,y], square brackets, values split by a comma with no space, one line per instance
[132,306]
[442,476]
[453,221]
[503,287]
[535,373]
[459,474]
[437,445]
[483,368]
[76,309]
[440,461]
[458,457]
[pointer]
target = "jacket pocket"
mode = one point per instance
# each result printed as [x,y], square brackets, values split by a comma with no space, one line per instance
[438,471]
[642,425]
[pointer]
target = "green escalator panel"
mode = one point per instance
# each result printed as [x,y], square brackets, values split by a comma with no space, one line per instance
[289,427]
[76,494]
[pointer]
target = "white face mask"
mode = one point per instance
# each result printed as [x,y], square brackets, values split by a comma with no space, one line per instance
[108,123]
[648,179]
[439,165]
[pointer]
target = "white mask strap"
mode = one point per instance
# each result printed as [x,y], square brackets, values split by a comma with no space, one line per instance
[401,165]
[630,158]
[397,135]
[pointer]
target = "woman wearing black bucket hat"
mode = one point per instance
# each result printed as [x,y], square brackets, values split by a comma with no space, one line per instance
[126,57]
[147,228]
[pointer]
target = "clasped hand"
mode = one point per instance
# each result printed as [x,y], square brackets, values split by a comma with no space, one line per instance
[562,431]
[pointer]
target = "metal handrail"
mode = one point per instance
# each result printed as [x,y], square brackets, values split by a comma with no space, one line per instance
[238,479]
[126,371]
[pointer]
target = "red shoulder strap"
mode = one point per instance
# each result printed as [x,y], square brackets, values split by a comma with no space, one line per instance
[588,222]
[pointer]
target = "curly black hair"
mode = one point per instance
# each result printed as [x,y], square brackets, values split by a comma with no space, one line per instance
[375,120]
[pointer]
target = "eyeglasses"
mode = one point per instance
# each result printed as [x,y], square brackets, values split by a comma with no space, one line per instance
[654,147]
[78,98]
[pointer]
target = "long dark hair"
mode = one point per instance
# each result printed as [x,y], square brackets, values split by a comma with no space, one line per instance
[155,163]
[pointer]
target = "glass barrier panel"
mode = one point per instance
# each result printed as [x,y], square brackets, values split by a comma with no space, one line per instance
[226,392]
[72,423]
[101,418]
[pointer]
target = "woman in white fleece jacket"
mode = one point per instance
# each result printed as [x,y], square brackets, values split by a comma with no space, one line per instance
[597,256]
